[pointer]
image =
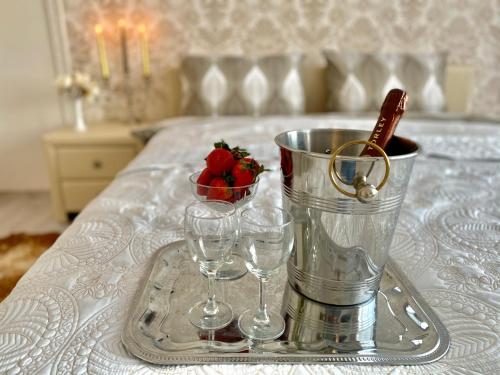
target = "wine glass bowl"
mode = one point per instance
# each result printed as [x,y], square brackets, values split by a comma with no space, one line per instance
[234,267]
[262,261]
[210,230]
[266,235]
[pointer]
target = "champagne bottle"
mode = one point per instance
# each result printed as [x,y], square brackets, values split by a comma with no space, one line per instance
[390,113]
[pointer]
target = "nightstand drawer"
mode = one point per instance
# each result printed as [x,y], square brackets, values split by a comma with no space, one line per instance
[77,194]
[93,162]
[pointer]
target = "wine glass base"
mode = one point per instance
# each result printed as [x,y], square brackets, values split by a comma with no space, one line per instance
[232,269]
[199,319]
[253,330]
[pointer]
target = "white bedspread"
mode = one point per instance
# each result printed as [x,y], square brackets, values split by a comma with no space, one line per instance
[67,312]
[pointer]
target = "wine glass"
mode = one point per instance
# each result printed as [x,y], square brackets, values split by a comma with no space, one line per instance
[266,236]
[234,266]
[210,230]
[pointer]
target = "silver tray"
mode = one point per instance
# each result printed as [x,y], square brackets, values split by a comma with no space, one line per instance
[397,327]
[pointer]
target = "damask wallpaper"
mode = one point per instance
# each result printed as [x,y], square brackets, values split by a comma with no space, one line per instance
[468,29]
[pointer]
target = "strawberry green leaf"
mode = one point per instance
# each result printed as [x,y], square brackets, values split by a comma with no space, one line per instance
[222,144]
[239,153]
[262,169]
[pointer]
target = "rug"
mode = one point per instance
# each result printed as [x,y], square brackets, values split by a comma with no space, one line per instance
[17,253]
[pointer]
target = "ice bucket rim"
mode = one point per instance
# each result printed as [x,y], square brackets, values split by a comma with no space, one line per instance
[366,134]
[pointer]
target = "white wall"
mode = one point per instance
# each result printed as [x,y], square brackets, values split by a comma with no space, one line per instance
[29,103]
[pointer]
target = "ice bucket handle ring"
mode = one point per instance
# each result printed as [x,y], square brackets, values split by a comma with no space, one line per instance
[364,191]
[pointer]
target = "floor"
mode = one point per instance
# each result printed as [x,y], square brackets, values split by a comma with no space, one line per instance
[28,213]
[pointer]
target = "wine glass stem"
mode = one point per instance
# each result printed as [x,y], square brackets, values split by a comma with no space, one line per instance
[211,307]
[262,317]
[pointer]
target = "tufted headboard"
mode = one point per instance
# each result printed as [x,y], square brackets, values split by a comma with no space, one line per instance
[458,83]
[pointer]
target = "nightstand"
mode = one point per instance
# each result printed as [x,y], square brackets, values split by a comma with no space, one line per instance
[82,164]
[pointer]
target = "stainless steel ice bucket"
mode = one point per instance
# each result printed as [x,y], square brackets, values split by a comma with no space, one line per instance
[345,209]
[318,327]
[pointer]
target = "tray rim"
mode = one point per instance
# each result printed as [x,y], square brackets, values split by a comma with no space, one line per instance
[135,349]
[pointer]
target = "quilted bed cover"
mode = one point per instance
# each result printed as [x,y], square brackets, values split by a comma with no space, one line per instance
[66,314]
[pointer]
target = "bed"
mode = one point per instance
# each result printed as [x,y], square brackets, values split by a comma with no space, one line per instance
[67,313]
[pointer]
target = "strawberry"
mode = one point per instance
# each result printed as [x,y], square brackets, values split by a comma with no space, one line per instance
[203,181]
[219,190]
[258,169]
[220,159]
[243,173]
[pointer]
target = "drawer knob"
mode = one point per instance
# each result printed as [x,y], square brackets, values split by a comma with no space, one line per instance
[97,164]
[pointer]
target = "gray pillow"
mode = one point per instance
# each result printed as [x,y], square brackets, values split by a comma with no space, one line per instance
[195,70]
[349,85]
[358,82]
[238,85]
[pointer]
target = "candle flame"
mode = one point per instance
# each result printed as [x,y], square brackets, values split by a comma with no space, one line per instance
[98,29]
[142,28]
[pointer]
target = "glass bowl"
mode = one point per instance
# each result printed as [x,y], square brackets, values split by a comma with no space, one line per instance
[239,196]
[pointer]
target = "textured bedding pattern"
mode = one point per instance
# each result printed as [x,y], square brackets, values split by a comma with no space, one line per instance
[67,313]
